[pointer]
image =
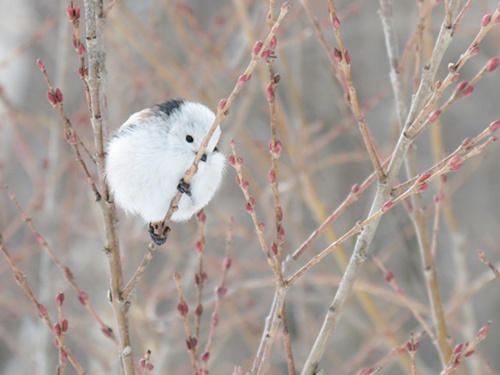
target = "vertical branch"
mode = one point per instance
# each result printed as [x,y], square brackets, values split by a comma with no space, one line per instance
[94,20]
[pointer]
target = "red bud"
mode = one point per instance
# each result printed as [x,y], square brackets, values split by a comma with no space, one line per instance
[387,206]
[273,42]
[231,160]
[40,64]
[59,96]
[486,20]
[434,115]
[272,176]
[494,126]
[51,98]
[336,23]
[492,64]
[257,47]
[60,299]
[337,55]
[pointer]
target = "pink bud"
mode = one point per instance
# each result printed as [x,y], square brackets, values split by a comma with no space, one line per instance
[434,115]
[231,160]
[51,98]
[494,126]
[108,332]
[274,248]
[347,57]
[266,54]
[245,184]
[468,91]
[486,20]
[182,308]
[59,96]
[483,332]
[70,12]
[238,181]
[281,234]
[251,200]
[462,85]
[474,51]
[40,64]
[492,64]
[64,357]
[226,263]
[39,238]
[248,208]
[455,78]
[177,276]
[465,142]
[262,226]
[60,299]
[469,353]
[458,348]
[422,188]
[438,84]
[286,6]
[454,160]
[65,325]
[57,329]
[270,92]
[83,298]
[278,147]
[239,160]
[76,10]
[199,310]
[222,103]
[337,55]
[336,23]
[279,213]
[81,50]
[197,279]
[389,276]
[150,367]
[42,310]
[272,176]
[355,188]
[142,363]
[202,218]
[215,316]
[387,206]
[205,356]
[456,167]
[243,79]
[424,177]
[273,42]
[198,246]
[68,272]
[257,47]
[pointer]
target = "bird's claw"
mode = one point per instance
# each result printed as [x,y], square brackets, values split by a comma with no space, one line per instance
[184,188]
[158,234]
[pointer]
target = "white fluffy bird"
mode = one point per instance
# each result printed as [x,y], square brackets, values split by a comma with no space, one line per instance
[149,155]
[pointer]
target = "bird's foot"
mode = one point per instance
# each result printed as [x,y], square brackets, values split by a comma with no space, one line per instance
[158,234]
[184,188]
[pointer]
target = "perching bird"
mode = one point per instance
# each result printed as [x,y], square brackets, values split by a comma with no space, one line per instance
[149,155]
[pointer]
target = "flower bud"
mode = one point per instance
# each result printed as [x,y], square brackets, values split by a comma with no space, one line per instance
[272,43]
[336,23]
[40,65]
[492,64]
[257,47]
[60,299]
[486,20]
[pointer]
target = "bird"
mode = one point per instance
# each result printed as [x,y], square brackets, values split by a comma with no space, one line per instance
[149,154]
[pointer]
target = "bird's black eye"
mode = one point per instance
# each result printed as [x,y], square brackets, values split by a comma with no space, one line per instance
[216,149]
[189,138]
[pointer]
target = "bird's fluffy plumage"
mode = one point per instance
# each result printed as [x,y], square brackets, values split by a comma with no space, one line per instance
[150,153]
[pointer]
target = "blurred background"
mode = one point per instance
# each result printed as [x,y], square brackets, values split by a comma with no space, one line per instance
[162,49]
